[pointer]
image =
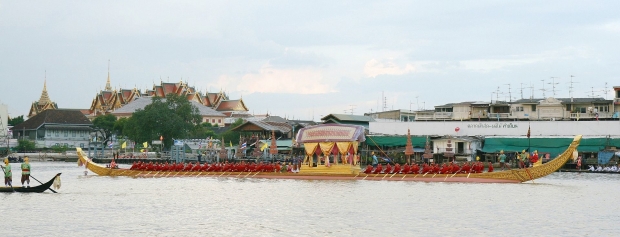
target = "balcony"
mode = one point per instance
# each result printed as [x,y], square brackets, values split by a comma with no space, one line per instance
[590,115]
[499,115]
[443,115]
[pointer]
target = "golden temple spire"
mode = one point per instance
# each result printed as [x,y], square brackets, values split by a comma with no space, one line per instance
[107,84]
[45,99]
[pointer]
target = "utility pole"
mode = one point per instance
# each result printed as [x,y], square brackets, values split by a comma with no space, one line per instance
[531,87]
[605,91]
[521,90]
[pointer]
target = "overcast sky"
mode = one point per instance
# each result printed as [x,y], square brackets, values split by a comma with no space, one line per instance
[306,59]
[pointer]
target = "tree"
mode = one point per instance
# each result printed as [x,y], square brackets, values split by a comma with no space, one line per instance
[173,118]
[104,125]
[202,130]
[119,126]
[15,121]
[25,145]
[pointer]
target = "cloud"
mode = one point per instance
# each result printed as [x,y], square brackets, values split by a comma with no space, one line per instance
[613,26]
[269,79]
[375,67]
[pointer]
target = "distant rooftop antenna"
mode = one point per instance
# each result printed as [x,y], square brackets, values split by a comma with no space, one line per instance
[605,90]
[521,90]
[593,95]
[570,88]
[543,88]
[553,83]
[531,87]
[509,92]
[384,101]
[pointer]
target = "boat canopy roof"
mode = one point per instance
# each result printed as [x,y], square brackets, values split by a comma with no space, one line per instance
[331,133]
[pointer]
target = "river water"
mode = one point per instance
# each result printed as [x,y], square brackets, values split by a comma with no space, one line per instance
[562,204]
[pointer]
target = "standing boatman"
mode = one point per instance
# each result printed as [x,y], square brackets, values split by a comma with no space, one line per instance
[8,175]
[26,172]
[374,160]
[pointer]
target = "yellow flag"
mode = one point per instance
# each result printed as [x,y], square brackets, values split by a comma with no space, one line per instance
[145,144]
[264,146]
[230,143]
[124,145]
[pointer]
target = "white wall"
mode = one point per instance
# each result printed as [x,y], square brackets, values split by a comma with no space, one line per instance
[4,116]
[494,128]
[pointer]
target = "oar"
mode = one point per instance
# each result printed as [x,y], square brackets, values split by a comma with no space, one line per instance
[10,183]
[42,183]
[365,177]
[256,174]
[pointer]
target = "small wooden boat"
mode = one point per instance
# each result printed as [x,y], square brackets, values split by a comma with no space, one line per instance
[33,189]
[349,172]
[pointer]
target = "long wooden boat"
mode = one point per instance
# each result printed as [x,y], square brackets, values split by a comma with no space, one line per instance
[348,172]
[33,189]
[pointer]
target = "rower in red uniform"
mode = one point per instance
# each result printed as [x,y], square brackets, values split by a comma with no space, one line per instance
[415,169]
[406,168]
[388,169]
[444,169]
[368,169]
[436,169]
[134,166]
[397,168]
[465,169]
[455,168]
[425,168]
[378,169]
[490,167]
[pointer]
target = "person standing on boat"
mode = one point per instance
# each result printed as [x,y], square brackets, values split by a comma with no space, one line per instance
[579,163]
[26,171]
[502,159]
[374,160]
[8,174]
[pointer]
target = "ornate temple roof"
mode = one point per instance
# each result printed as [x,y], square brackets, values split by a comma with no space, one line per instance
[44,102]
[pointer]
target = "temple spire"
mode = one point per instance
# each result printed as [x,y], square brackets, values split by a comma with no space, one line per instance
[45,99]
[108,87]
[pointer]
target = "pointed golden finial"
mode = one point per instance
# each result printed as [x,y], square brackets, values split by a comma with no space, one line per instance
[108,87]
[44,99]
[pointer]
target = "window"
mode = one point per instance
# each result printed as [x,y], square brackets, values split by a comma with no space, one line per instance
[519,108]
[66,133]
[82,133]
[57,133]
[219,121]
[49,133]
[82,145]
[533,108]
[74,133]
[602,108]
[212,120]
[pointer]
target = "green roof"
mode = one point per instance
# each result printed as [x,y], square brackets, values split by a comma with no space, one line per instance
[395,141]
[555,146]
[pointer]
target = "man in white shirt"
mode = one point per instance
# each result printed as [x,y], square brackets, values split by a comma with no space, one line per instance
[613,168]
[599,168]
[591,168]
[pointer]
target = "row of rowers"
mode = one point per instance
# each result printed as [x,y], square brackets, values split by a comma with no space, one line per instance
[215,167]
[449,168]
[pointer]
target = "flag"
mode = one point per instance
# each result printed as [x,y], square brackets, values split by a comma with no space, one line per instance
[265,145]
[124,145]
[528,131]
[244,145]
[145,145]
[230,143]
